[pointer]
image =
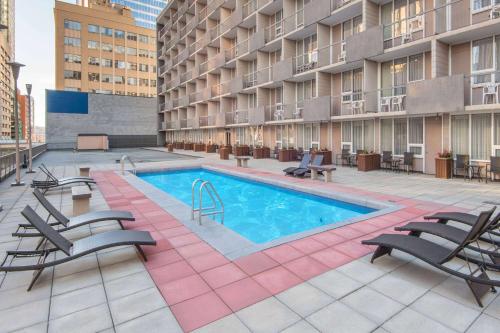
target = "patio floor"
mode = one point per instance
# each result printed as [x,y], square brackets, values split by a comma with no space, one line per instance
[322,283]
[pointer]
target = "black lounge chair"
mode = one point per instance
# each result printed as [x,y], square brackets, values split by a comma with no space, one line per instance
[457,235]
[301,172]
[65,223]
[437,255]
[468,219]
[71,250]
[51,177]
[53,182]
[306,159]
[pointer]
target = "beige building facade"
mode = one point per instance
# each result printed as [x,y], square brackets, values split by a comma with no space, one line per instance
[99,49]
[6,55]
[418,76]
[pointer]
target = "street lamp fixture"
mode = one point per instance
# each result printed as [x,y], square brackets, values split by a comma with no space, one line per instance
[30,152]
[16,67]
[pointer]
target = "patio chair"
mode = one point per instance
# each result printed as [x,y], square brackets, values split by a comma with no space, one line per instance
[301,172]
[276,152]
[438,255]
[67,250]
[388,162]
[461,164]
[345,156]
[493,168]
[408,162]
[303,165]
[51,176]
[66,223]
[353,160]
[458,235]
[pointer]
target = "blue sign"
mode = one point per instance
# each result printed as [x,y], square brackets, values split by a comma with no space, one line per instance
[60,101]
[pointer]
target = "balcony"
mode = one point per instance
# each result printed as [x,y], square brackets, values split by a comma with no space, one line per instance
[264,75]
[203,68]
[236,85]
[249,8]
[316,10]
[352,103]
[336,4]
[256,41]
[186,123]
[217,61]
[403,31]
[172,125]
[372,41]
[305,62]
[237,117]
[186,76]
[206,121]
[283,70]
[194,97]
[482,91]
[282,113]
[249,80]
[294,21]
[256,116]
[183,101]
[273,31]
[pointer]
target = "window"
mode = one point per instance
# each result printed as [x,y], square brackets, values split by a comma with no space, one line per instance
[143,68]
[132,66]
[107,31]
[106,63]
[305,90]
[386,135]
[460,134]
[131,93]
[71,41]
[119,34]
[120,64]
[398,72]
[72,25]
[131,81]
[92,44]
[152,83]
[131,51]
[107,78]
[416,135]
[131,36]
[152,54]
[478,5]
[143,39]
[143,82]
[153,68]
[72,58]
[480,133]
[119,79]
[119,49]
[106,47]
[400,139]
[143,53]
[93,29]
[72,75]
[352,85]
[486,60]
[401,135]
[93,61]
[416,67]
[93,77]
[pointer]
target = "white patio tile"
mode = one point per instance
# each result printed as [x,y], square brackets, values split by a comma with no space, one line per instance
[304,299]
[484,324]
[410,321]
[229,323]
[159,321]
[136,305]
[335,283]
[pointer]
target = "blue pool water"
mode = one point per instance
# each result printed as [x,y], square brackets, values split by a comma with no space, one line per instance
[258,211]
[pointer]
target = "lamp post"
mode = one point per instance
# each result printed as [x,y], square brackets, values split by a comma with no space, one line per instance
[3,27]
[16,67]
[30,152]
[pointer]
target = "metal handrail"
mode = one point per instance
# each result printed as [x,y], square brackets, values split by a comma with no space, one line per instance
[122,164]
[210,189]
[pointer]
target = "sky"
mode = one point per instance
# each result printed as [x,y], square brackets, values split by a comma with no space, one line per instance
[35,48]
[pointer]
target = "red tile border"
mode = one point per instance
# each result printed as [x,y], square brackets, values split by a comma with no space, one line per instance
[201,285]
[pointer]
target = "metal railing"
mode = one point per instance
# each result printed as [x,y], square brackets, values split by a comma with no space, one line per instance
[237,117]
[282,112]
[250,80]
[207,121]
[273,31]
[8,161]
[122,164]
[294,21]
[249,8]
[214,196]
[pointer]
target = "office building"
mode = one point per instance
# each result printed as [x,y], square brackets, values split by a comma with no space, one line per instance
[6,79]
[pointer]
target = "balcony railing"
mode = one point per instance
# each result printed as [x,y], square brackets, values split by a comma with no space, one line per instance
[237,117]
[305,62]
[294,21]
[274,31]
[282,112]
[186,123]
[249,8]
[336,4]
[264,75]
[203,67]
[482,89]
[186,76]
[250,80]
[207,121]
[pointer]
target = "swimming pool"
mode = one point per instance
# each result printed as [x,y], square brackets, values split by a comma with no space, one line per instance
[257,211]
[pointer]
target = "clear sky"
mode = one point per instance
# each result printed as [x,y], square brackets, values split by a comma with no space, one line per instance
[35,49]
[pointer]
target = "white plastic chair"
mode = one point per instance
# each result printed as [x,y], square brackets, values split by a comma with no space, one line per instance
[491,89]
[385,103]
[397,102]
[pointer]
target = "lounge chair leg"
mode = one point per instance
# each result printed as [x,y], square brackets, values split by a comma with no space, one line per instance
[36,275]
[141,252]
[479,290]
[415,233]
[380,251]
[121,224]
[90,188]
[40,242]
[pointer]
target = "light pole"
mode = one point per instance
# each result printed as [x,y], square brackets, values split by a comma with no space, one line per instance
[3,27]
[30,152]
[16,67]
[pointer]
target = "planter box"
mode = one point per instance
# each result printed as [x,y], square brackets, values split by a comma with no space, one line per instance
[224,153]
[199,147]
[263,152]
[210,149]
[368,162]
[241,151]
[179,145]
[188,146]
[327,156]
[287,155]
[170,147]
[444,167]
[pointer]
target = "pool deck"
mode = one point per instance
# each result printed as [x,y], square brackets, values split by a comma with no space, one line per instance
[323,282]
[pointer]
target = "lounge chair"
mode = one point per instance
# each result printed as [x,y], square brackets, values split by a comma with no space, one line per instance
[466,218]
[71,250]
[437,255]
[301,172]
[53,182]
[457,235]
[51,176]
[65,223]
[306,159]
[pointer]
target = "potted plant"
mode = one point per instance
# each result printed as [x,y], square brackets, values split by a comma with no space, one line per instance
[444,164]
[368,161]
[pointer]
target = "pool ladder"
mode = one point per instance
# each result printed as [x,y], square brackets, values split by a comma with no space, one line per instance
[214,196]
[122,164]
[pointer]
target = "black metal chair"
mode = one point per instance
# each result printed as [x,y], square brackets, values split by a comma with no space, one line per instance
[345,158]
[493,168]
[275,152]
[408,162]
[461,164]
[354,158]
[387,160]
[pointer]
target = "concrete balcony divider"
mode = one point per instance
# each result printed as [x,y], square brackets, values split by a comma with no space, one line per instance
[256,116]
[283,70]
[372,42]
[195,122]
[264,75]
[316,10]
[183,101]
[236,85]
[317,109]
[445,94]
[176,81]
[183,55]
[205,121]
[236,18]
[257,41]
[220,119]
[216,61]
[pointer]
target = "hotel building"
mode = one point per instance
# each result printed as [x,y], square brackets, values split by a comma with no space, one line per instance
[100,49]
[7,18]
[415,76]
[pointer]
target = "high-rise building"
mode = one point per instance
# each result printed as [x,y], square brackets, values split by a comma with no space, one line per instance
[411,78]
[100,49]
[24,110]
[144,11]
[6,55]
